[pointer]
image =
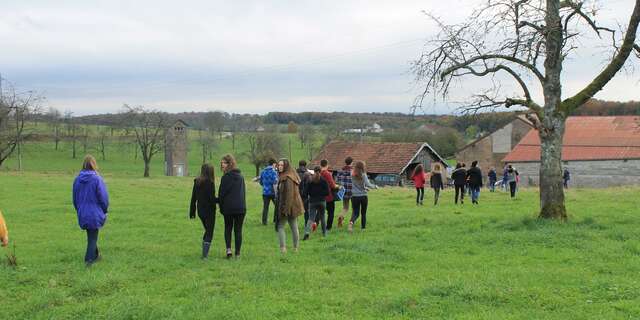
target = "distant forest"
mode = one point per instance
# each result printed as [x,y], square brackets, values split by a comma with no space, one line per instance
[487,121]
[446,133]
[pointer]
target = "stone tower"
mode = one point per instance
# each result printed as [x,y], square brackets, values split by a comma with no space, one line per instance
[175,152]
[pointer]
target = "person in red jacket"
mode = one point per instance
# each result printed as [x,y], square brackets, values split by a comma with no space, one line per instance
[419,179]
[331,204]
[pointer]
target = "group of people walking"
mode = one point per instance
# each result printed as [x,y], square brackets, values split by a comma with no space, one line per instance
[464,180]
[293,193]
[313,193]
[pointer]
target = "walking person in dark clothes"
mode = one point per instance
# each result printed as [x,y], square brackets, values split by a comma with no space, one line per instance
[289,204]
[459,177]
[304,175]
[474,176]
[466,184]
[492,176]
[91,201]
[360,199]
[436,183]
[316,190]
[268,180]
[505,177]
[344,179]
[419,179]
[232,199]
[566,176]
[203,198]
[512,179]
[331,202]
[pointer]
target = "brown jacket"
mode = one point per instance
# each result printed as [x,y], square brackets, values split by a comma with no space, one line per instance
[289,200]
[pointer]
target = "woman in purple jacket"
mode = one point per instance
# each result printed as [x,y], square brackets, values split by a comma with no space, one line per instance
[91,200]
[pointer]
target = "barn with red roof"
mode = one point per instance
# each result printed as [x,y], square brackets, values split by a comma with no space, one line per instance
[387,163]
[597,151]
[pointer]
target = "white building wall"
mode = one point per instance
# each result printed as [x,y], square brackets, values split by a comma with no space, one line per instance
[589,174]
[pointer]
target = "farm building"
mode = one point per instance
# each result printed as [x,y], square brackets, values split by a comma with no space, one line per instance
[490,149]
[598,151]
[387,163]
[374,128]
[176,149]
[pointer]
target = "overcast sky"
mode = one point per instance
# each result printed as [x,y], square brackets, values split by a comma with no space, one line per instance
[239,56]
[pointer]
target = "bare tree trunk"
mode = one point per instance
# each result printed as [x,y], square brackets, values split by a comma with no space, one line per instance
[204,153]
[57,136]
[102,147]
[551,188]
[146,168]
[257,170]
[233,141]
[552,131]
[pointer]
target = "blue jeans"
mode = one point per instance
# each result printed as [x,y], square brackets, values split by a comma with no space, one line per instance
[359,206]
[475,193]
[92,246]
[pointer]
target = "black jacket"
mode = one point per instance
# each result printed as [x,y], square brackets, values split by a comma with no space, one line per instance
[492,175]
[304,174]
[475,177]
[436,181]
[203,197]
[231,195]
[316,192]
[459,177]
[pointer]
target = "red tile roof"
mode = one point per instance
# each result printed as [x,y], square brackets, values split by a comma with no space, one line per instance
[379,157]
[587,138]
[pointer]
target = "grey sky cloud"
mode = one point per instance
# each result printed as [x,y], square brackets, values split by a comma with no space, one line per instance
[243,56]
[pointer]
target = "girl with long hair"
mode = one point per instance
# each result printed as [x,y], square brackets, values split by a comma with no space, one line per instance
[360,199]
[419,179]
[203,197]
[232,200]
[436,182]
[289,204]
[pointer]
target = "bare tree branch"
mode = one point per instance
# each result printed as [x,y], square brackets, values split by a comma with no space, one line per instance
[610,70]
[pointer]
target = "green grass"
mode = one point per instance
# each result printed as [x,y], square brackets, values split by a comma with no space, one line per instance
[492,261]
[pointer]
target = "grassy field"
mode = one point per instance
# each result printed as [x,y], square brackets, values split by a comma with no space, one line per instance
[121,157]
[492,261]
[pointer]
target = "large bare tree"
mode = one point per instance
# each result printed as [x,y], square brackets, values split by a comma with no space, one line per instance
[15,110]
[149,128]
[526,43]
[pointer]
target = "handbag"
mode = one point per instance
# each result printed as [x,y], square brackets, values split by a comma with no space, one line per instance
[339,194]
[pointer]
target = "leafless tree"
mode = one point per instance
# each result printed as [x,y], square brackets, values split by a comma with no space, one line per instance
[72,132]
[149,128]
[525,43]
[263,146]
[207,143]
[102,138]
[15,111]
[86,134]
[55,123]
